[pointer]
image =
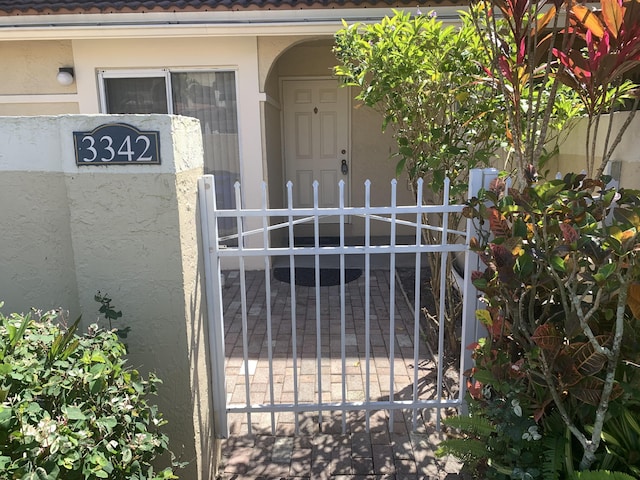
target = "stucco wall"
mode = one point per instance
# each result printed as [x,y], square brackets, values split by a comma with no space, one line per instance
[130,231]
[36,265]
[572,151]
[30,67]
[52,108]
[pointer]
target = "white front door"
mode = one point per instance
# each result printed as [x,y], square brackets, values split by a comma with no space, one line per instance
[316,140]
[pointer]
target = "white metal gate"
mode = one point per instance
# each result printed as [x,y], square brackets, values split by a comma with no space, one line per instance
[254,227]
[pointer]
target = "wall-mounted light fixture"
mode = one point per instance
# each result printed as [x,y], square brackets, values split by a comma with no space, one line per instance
[65,76]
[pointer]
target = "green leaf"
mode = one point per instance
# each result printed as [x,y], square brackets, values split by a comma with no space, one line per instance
[4,462]
[604,273]
[602,475]
[480,283]
[108,422]
[524,266]
[73,412]
[96,385]
[6,417]
[558,263]
[484,317]
[126,455]
[547,190]
[520,228]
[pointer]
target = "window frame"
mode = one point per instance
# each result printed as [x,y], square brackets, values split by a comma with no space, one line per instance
[146,73]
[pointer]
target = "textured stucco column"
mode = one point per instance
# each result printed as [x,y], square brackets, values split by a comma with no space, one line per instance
[129,231]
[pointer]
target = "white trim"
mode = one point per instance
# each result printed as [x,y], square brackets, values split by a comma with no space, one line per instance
[40,98]
[124,73]
[266,98]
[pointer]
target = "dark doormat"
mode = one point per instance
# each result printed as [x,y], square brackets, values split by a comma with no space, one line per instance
[306,276]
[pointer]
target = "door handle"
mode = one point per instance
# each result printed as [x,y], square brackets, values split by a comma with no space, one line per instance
[344,168]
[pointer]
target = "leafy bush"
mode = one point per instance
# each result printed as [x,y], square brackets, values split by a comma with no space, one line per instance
[563,302]
[70,407]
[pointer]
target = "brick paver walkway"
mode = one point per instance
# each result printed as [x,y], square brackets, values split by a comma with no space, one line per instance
[389,450]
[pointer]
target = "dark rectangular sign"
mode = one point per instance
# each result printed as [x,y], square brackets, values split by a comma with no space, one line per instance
[117,144]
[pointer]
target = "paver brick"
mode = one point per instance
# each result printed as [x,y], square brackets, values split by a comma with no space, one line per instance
[323,451]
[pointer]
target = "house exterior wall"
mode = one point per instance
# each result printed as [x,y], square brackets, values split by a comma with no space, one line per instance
[30,67]
[129,231]
[28,83]
[36,265]
[227,53]
[572,151]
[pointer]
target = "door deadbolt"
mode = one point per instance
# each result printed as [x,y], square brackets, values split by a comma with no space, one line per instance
[344,167]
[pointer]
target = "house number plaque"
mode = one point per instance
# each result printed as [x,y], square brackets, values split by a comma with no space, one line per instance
[117,144]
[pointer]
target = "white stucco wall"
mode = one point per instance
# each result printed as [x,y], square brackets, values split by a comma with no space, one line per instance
[130,231]
[572,151]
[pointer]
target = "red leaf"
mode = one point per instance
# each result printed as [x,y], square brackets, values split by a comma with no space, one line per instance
[548,338]
[476,275]
[588,390]
[504,261]
[475,389]
[473,346]
[497,223]
[500,327]
[587,361]
[498,186]
[569,234]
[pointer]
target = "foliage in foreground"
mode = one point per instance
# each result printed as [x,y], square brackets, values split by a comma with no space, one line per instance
[557,377]
[554,44]
[71,408]
[423,78]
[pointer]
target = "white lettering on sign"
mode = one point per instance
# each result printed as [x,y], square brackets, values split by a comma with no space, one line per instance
[107,153]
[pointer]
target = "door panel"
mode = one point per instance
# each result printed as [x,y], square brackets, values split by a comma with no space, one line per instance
[316,115]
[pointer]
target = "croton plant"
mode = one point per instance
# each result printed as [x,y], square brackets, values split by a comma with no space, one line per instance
[562,353]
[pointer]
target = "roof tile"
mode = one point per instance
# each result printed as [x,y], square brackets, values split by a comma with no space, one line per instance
[40,7]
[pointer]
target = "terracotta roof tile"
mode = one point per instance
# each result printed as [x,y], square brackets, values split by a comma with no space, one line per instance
[40,7]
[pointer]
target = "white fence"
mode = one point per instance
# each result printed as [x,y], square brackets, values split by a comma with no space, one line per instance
[256,243]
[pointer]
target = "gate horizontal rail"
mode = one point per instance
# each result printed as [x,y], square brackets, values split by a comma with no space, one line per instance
[247,248]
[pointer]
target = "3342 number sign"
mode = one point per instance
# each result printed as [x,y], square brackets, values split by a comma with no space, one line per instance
[117,144]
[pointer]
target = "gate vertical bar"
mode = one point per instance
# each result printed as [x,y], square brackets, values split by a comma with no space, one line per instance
[416,304]
[316,262]
[243,301]
[267,285]
[212,272]
[367,300]
[343,352]
[392,299]
[444,273]
[294,313]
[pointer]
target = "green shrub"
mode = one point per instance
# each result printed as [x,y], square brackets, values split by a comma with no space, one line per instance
[561,356]
[70,406]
